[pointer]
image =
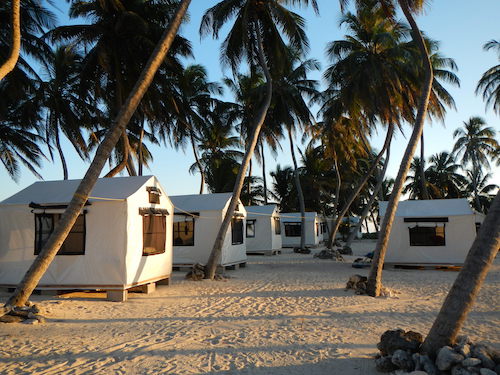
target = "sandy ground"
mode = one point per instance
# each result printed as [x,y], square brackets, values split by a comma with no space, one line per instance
[285,314]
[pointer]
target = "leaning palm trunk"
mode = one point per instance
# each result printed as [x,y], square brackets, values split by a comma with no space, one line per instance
[375,277]
[370,202]
[238,185]
[264,180]
[465,289]
[300,194]
[198,162]
[56,239]
[360,186]
[8,65]
[423,182]
[61,154]
[124,162]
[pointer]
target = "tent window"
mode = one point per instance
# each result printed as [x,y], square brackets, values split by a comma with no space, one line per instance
[154,194]
[184,232]
[427,236]
[154,234]
[74,244]
[293,229]
[236,231]
[277,225]
[250,228]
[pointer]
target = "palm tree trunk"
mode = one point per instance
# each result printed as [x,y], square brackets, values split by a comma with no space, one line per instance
[337,191]
[300,194]
[465,289]
[249,187]
[264,180]
[56,239]
[374,221]
[61,154]
[370,202]
[198,162]
[124,162]
[11,61]
[360,186]
[475,179]
[423,182]
[140,158]
[258,122]
[375,277]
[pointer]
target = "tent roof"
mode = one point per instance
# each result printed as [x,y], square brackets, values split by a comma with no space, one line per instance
[297,215]
[51,192]
[261,210]
[430,208]
[200,202]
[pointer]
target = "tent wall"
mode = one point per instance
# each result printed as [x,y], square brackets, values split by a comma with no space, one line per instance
[103,263]
[206,228]
[312,238]
[265,236]
[143,269]
[460,232]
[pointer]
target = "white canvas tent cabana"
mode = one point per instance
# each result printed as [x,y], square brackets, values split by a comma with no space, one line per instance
[197,220]
[121,240]
[433,232]
[291,224]
[263,229]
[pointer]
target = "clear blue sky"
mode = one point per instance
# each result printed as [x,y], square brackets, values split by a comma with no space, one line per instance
[462,26]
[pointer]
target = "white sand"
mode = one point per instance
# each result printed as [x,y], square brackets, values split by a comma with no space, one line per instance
[286,314]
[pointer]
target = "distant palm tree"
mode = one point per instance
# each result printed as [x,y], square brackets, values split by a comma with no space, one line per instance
[284,188]
[65,111]
[256,36]
[476,144]
[220,155]
[489,83]
[414,183]
[443,178]
[485,190]
[192,97]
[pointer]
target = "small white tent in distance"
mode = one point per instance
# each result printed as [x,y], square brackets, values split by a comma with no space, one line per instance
[263,229]
[291,224]
[431,232]
[197,220]
[121,240]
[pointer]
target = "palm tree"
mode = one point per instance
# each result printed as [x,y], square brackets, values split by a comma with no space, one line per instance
[489,83]
[220,157]
[284,188]
[443,177]
[409,8]
[15,49]
[20,116]
[439,99]
[476,143]
[192,95]
[68,219]
[65,111]
[414,182]
[485,190]
[467,285]
[289,109]
[118,40]
[255,37]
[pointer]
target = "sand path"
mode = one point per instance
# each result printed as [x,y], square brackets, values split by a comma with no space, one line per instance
[286,314]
